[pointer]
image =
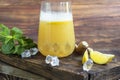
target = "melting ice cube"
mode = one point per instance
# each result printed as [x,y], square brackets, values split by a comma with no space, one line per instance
[52,60]
[55,61]
[26,54]
[48,59]
[87,65]
[33,51]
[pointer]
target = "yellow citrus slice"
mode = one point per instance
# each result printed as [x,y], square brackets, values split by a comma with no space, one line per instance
[85,57]
[101,58]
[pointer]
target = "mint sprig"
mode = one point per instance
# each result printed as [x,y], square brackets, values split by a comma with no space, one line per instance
[13,41]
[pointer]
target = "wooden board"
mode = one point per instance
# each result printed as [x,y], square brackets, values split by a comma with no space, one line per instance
[12,73]
[70,68]
[97,22]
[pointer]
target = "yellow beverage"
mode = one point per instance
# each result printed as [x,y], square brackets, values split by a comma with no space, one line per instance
[56,37]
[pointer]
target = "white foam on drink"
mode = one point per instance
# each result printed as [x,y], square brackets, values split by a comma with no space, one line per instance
[55,16]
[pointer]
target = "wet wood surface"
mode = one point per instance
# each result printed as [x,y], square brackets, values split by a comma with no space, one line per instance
[97,22]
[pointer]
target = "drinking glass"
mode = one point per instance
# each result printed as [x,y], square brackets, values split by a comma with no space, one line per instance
[56,30]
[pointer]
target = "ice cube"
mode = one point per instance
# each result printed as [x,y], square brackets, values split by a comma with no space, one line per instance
[52,60]
[26,54]
[33,51]
[55,61]
[88,65]
[48,59]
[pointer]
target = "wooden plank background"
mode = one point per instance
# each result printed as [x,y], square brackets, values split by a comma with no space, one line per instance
[96,21]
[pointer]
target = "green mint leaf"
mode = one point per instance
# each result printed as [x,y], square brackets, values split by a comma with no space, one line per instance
[16,33]
[13,41]
[4,31]
[19,49]
[7,39]
[21,42]
[28,43]
[8,48]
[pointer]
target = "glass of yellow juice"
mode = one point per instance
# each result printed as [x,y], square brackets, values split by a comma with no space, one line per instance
[56,30]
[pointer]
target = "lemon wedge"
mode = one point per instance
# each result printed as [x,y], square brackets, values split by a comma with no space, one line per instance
[101,58]
[85,57]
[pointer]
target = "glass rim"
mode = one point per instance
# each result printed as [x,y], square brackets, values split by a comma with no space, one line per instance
[55,2]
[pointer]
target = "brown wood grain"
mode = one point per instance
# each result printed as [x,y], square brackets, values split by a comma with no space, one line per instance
[95,21]
[70,68]
[8,77]
[14,73]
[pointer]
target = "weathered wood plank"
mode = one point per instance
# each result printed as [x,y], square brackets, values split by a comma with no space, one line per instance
[9,77]
[11,72]
[70,67]
[34,2]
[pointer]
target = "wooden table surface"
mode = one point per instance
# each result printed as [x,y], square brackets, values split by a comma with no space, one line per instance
[95,21]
